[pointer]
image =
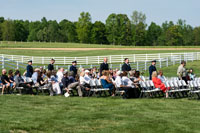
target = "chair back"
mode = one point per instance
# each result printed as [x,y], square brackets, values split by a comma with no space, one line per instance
[92,83]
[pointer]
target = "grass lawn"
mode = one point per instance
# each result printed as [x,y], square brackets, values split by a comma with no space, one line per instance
[59,114]
[75,45]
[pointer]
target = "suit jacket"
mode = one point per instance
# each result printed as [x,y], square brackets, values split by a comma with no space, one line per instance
[29,71]
[74,69]
[103,66]
[152,68]
[126,67]
[50,67]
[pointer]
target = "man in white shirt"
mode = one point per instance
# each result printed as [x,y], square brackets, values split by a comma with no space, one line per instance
[87,77]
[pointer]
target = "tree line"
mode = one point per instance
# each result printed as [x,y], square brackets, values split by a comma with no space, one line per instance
[117,30]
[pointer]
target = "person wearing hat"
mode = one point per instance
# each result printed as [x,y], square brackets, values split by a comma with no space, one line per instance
[29,69]
[73,68]
[126,66]
[152,68]
[50,66]
[104,66]
[87,77]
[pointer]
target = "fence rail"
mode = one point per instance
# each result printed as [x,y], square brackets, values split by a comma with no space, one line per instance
[190,56]
[138,61]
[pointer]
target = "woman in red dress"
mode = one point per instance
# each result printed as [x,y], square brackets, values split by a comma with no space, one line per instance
[158,83]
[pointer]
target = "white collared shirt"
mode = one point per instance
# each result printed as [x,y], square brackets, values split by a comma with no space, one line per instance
[118,81]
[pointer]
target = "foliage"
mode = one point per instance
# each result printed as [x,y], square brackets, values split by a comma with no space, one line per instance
[117,30]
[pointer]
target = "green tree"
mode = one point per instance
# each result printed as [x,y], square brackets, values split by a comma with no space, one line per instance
[173,36]
[83,27]
[1,29]
[34,28]
[8,33]
[196,34]
[20,31]
[98,33]
[153,32]
[118,28]
[111,28]
[68,31]
[138,17]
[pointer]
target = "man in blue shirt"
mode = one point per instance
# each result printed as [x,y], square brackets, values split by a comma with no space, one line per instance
[29,69]
[152,68]
[73,68]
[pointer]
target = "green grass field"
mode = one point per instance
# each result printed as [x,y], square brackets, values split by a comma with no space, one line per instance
[102,115]
[26,113]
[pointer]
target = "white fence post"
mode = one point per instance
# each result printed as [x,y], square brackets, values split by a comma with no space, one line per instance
[22,59]
[3,63]
[17,65]
[98,60]
[145,65]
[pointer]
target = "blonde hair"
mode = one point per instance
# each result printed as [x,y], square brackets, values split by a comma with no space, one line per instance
[154,74]
[82,74]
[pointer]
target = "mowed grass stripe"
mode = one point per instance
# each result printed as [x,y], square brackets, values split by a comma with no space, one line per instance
[74,114]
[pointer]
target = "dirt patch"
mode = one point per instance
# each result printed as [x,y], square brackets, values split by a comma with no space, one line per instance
[89,49]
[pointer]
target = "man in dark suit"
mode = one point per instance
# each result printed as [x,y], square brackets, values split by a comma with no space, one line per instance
[73,68]
[50,66]
[29,69]
[152,68]
[126,66]
[104,66]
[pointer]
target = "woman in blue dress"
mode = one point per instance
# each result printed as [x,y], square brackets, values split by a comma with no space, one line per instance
[107,82]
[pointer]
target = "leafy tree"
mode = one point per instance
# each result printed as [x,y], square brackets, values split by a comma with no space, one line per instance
[20,31]
[8,33]
[139,34]
[68,31]
[98,33]
[173,36]
[138,17]
[196,34]
[34,28]
[118,27]
[111,28]
[153,32]
[83,27]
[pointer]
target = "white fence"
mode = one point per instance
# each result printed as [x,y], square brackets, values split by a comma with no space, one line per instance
[138,61]
[112,59]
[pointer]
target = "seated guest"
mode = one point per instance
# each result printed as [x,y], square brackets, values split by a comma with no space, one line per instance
[5,81]
[11,79]
[161,76]
[65,82]
[132,74]
[94,72]
[40,79]
[73,84]
[106,82]
[137,78]
[60,74]
[191,75]
[83,85]
[158,83]
[21,83]
[120,86]
[126,81]
[87,76]
[134,91]
[55,83]
[44,74]
[35,75]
